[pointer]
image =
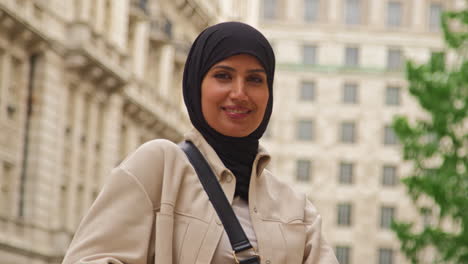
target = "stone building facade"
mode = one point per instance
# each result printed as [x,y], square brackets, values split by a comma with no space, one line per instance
[339,82]
[82,84]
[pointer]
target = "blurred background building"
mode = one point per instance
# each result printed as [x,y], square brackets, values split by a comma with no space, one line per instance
[84,82]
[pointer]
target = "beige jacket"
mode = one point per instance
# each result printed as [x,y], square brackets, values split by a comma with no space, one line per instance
[154,205]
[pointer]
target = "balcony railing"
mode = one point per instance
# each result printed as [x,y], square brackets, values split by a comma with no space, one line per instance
[182,49]
[161,29]
[141,4]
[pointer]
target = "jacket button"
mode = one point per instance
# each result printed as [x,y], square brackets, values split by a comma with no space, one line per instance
[229,178]
[255,209]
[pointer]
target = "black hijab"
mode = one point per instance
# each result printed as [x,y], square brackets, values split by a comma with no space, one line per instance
[213,45]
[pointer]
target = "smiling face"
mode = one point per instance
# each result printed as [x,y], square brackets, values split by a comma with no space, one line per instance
[234,95]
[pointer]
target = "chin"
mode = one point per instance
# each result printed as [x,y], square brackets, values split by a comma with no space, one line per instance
[235,133]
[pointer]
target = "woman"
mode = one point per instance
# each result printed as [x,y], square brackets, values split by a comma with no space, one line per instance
[153,207]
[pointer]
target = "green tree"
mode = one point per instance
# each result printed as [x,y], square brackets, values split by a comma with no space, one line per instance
[437,147]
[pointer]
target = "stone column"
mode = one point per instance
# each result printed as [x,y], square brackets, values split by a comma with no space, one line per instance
[57,139]
[13,91]
[91,140]
[166,70]
[335,11]
[292,11]
[99,6]
[82,9]
[418,19]
[74,158]
[252,14]
[111,133]
[120,10]
[140,48]
[44,151]
[131,138]
[376,13]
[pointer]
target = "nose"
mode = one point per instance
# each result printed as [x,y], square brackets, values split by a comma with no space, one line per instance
[238,90]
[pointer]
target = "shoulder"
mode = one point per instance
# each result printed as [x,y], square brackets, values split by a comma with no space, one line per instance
[151,147]
[150,156]
[154,162]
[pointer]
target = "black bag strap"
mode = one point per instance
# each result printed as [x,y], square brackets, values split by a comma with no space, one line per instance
[237,237]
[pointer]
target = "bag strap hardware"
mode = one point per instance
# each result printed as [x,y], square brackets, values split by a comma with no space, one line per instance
[255,258]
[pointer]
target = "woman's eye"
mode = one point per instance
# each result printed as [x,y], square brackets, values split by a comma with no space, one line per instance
[255,79]
[222,76]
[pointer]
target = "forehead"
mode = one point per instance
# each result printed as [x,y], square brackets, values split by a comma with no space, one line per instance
[241,60]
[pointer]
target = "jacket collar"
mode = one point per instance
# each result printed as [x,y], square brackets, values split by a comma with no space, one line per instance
[261,160]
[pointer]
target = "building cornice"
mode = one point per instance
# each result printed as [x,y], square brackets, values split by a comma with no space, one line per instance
[24,33]
[165,118]
[321,68]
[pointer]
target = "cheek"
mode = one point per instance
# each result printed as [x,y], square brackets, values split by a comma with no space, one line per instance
[209,99]
[262,101]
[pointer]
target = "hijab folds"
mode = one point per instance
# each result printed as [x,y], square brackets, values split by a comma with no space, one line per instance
[213,45]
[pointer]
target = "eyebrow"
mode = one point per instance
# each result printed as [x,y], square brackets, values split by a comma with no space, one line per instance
[233,70]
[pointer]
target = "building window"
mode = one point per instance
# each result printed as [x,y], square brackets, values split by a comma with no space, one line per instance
[270,8]
[392,95]
[385,256]
[344,214]
[390,137]
[309,53]
[350,93]
[13,95]
[435,11]
[343,254]
[311,10]
[353,12]
[305,130]
[387,214]
[348,132]
[389,175]
[303,168]
[351,57]
[426,214]
[394,14]
[143,4]
[394,59]
[307,92]
[346,173]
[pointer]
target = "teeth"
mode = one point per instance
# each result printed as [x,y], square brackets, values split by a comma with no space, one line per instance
[237,111]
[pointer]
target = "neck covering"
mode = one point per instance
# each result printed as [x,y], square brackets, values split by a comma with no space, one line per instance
[213,45]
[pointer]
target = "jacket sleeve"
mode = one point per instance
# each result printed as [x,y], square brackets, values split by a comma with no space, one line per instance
[118,227]
[317,251]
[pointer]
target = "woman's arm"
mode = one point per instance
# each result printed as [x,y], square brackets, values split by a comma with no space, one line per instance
[317,251]
[118,227]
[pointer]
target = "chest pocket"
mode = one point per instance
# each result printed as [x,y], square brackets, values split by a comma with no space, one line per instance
[178,238]
[282,243]
[295,237]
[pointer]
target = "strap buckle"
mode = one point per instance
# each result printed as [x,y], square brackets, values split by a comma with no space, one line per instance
[254,259]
